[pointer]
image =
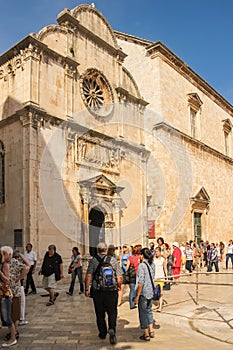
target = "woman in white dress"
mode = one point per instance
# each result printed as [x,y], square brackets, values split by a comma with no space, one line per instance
[160,273]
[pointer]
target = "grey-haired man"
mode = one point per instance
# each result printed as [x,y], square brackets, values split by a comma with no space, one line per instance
[52,271]
[105,301]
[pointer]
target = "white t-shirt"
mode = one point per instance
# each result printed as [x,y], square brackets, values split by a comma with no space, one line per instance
[182,250]
[159,271]
[31,257]
[230,249]
[74,260]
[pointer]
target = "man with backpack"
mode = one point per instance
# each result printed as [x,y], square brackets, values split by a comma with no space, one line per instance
[105,276]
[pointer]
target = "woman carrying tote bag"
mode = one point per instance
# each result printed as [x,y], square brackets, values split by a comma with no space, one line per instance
[145,293]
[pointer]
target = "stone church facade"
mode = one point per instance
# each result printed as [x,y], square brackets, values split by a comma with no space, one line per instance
[103,134]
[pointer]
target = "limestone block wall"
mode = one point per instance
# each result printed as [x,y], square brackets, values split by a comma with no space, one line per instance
[174,178]
[12,214]
[166,169]
[54,218]
[14,84]
[146,73]
[166,89]
[174,91]
[133,179]
[215,174]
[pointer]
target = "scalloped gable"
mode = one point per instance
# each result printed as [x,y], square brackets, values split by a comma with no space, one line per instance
[93,20]
[129,81]
[83,19]
[55,37]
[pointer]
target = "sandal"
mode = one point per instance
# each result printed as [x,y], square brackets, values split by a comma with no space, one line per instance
[55,296]
[151,334]
[8,336]
[145,337]
[51,302]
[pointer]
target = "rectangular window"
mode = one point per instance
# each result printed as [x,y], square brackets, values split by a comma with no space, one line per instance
[226,141]
[18,238]
[197,227]
[193,121]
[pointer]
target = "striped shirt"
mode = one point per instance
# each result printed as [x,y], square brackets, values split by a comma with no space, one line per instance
[189,254]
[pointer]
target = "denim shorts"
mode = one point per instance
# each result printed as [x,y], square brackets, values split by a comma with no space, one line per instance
[6,311]
[145,312]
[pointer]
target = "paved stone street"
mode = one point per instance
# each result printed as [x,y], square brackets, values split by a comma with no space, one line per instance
[70,323]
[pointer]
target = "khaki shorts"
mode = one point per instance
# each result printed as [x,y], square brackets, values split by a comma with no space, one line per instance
[49,281]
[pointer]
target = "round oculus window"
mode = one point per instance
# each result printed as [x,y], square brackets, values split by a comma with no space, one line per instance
[96,93]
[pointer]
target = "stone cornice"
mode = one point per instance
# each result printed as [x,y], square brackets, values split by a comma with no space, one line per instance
[36,116]
[41,47]
[158,49]
[132,39]
[96,136]
[124,94]
[66,19]
[9,120]
[193,141]
[31,114]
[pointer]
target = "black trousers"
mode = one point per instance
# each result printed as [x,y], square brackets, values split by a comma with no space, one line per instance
[210,266]
[30,281]
[188,265]
[105,302]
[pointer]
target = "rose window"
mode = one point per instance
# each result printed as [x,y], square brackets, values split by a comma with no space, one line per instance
[93,93]
[96,93]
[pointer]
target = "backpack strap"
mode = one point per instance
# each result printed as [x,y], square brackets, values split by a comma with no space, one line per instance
[101,261]
[108,258]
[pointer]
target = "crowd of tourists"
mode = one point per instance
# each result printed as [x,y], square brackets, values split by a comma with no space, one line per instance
[142,272]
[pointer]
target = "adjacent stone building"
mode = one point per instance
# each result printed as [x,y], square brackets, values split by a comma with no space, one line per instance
[105,136]
[191,126]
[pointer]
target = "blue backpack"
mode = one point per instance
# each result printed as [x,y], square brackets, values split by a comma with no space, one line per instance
[105,275]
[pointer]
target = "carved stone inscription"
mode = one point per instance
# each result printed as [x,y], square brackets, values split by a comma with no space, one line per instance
[102,155]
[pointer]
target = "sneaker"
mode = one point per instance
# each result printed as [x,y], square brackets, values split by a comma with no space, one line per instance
[112,336]
[22,322]
[68,293]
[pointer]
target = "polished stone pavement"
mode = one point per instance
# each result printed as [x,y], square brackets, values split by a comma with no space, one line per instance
[183,323]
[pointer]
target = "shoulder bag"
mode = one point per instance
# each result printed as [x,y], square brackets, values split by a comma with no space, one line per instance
[156,289]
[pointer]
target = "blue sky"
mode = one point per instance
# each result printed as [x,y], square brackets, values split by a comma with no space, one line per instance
[200,32]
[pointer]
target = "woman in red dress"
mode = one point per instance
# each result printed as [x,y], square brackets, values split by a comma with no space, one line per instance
[176,260]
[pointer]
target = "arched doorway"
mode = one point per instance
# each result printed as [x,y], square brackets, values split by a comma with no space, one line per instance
[96,229]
